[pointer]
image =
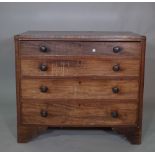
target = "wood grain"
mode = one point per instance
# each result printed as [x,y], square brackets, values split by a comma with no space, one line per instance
[80,36]
[79,112]
[79,67]
[129,49]
[79,89]
[79,82]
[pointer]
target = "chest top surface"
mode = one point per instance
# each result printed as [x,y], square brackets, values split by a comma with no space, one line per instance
[80,35]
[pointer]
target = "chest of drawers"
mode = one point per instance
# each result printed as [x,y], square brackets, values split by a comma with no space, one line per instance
[79,79]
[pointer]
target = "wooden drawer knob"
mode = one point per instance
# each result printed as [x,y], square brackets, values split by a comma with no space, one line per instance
[43,67]
[114,114]
[115,90]
[43,89]
[116,68]
[44,113]
[43,48]
[116,49]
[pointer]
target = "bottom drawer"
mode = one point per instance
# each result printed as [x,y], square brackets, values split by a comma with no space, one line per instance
[79,113]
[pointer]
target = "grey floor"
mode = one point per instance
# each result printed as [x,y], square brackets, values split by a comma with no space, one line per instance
[76,140]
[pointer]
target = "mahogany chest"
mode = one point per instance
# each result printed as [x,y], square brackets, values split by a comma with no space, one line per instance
[79,79]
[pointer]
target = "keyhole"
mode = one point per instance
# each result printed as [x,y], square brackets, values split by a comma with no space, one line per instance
[93,50]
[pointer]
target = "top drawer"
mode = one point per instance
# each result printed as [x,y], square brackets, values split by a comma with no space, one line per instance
[72,48]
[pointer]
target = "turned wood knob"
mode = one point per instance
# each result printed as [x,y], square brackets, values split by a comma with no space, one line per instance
[116,49]
[43,48]
[44,113]
[114,114]
[115,90]
[43,67]
[43,89]
[116,68]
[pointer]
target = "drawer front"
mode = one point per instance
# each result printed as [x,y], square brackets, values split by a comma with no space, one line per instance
[79,89]
[79,67]
[79,113]
[46,48]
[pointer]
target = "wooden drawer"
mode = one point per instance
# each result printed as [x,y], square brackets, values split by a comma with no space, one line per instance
[79,113]
[79,89]
[79,67]
[74,48]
